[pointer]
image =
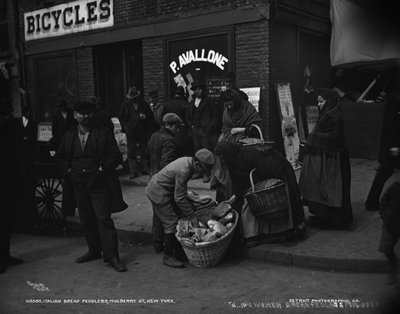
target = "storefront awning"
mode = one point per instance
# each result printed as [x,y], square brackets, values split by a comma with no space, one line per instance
[361,36]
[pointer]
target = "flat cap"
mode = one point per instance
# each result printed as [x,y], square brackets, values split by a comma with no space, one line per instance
[205,156]
[172,118]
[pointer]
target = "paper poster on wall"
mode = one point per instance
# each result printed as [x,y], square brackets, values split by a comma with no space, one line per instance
[44,131]
[290,134]
[254,95]
[215,86]
[120,138]
[312,117]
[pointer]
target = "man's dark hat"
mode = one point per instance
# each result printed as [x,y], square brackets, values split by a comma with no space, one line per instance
[198,83]
[180,91]
[5,106]
[153,94]
[96,100]
[62,103]
[84,106]
[133,93]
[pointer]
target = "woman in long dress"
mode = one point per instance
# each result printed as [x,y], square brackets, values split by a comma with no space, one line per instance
[325,175]
[268,164]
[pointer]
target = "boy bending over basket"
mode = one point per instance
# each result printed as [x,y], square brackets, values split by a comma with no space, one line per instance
[167,192]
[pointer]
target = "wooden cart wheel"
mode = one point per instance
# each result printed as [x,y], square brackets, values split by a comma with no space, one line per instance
[49,198]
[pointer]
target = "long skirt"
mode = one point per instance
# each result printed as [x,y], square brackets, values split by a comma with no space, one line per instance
[325,186]
[285,227]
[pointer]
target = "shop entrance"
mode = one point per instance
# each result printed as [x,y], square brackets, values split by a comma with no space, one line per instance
[116,66]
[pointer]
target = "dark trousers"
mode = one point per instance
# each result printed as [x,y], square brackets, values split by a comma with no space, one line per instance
[133,142]
[5,234]
[94,201]
[157,229]
[384,172]
[7,207]
[203,141]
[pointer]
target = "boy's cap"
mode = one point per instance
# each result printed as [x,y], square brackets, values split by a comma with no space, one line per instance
[172,118]
[205,156]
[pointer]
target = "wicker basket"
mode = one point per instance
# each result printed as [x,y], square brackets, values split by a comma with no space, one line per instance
[267,198]
[256,143]
[210,253]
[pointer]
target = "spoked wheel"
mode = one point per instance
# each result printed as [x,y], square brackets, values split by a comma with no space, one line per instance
[48,200]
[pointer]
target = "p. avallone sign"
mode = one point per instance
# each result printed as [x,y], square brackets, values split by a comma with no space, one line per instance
[68,18]
[196,55]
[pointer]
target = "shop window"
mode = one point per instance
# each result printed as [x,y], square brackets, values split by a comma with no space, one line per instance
[205,57]
[56,79]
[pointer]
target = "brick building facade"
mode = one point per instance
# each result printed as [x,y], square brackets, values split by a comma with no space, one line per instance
[265,41]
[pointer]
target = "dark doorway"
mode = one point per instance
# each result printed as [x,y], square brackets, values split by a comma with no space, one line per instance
[314,72]
[314,51]
[116,66]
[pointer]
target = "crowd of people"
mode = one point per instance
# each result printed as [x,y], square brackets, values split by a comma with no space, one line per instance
[177,141]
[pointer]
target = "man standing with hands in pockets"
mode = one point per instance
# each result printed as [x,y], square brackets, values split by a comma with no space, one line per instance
[88,158]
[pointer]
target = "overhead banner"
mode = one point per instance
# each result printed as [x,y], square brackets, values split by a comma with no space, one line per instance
[360,34]
[68,18]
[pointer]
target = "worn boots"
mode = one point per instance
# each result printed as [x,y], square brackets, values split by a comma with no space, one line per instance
[169,259]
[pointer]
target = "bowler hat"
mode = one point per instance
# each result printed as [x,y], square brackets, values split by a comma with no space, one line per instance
[84,106]
[196,84]
[133,92]
[95,100]
[172,118]
[206,157]
[153,94]
[180,91]
[62,103]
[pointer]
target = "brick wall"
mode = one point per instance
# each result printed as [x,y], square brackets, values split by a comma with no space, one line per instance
[85,73]
[144,11]
[283,67]
[153,67]
[30,83]
[252,62]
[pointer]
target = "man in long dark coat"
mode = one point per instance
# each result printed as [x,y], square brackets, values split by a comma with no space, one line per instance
[62,121]
[389,157]
[135,116]
[89,156]
[201,117]
[10,172]
[179,105]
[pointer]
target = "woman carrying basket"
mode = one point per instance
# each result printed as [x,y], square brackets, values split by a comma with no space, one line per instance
[241,160]
[238,117]
[325,176]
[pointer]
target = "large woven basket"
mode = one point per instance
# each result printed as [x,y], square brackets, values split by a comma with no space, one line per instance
[267,198]
[256,143]
[210,253]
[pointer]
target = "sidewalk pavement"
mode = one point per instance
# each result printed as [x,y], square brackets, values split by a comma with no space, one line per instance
[354,249]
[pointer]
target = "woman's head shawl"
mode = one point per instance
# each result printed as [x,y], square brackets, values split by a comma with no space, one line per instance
[243,115]
[327,134]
